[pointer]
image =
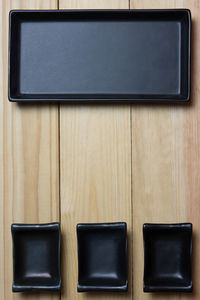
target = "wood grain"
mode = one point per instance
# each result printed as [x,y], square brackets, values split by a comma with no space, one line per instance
[29,161]
[94,4]
[95,172]
[166,162]
[95,180]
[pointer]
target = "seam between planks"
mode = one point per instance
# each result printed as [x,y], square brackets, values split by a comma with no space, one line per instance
[59,181]
[59,172]
[131,181]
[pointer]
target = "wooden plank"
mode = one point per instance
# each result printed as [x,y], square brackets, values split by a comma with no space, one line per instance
[166,162]
[94,4]
[95,179]
[95,172]
[29,161]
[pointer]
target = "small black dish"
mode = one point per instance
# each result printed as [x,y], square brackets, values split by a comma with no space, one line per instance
[167,257]
[102,257]
[36,257]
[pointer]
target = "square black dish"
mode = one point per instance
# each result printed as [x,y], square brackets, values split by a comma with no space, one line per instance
[102,257]
[36,257]
[167,257]
[100,55]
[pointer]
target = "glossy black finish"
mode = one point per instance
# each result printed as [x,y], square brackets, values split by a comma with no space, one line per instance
[109,55]
[167,257]
[102,257]
[36,257]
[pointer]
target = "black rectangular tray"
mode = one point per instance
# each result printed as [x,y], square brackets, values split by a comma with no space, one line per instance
[99,55]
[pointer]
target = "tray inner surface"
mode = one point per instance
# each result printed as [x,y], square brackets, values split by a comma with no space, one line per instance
[87,55]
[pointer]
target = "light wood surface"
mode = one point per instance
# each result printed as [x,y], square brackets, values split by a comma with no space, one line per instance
[94,4]
[29,161]
[95,180]
[137,164]
[166,162]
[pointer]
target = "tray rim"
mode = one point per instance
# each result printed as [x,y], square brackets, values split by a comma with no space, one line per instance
[102,99]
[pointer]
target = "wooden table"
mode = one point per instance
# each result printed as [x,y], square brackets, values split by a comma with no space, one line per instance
[67,163]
